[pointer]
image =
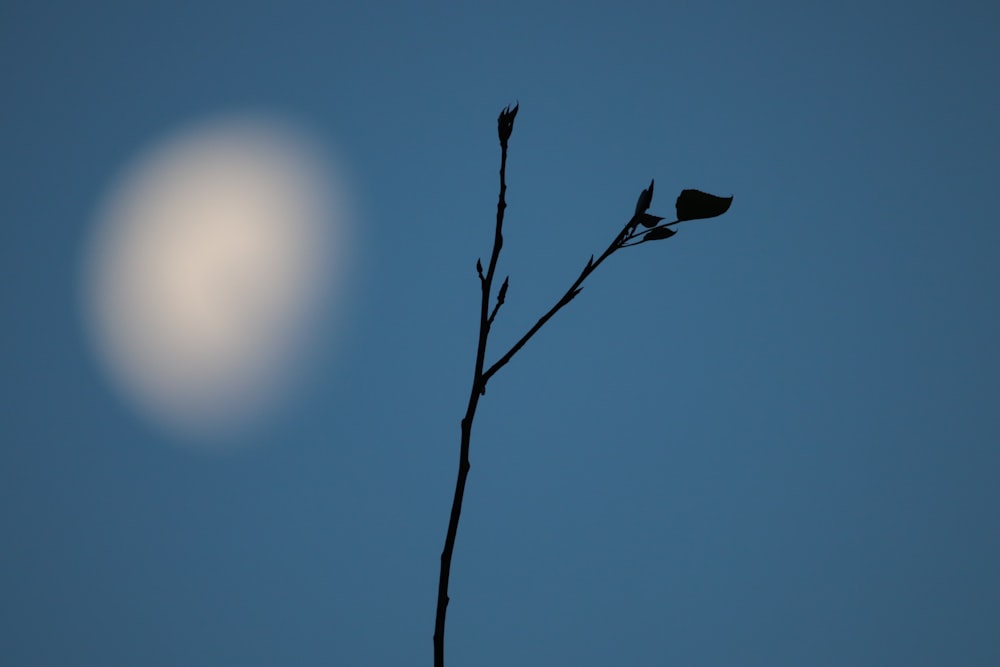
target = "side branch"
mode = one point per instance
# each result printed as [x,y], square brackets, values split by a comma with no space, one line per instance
[574,289]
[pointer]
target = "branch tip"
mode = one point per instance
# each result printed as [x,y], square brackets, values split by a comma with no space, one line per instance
[505,122]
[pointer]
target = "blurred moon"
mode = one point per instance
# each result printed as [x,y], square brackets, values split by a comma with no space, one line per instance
[211,261]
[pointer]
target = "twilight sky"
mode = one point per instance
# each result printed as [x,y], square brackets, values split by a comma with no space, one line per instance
[771,440]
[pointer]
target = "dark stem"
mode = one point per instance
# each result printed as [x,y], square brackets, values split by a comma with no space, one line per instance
[478,388]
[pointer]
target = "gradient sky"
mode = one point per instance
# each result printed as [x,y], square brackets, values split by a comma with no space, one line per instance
[771,440]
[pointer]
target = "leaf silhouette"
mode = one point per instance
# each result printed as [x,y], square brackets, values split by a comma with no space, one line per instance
[645,200]
[648,220]
[695,204]
[658,233]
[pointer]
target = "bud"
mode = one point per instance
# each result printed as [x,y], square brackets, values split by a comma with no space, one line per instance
[505,123]
[503,290]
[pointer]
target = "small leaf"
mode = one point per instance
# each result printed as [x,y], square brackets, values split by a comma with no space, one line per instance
[645,200]
[648,220]
[658,233]
[695,204]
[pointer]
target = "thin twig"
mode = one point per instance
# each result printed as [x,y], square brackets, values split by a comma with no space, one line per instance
[505,125]
[691,205]
[703,205]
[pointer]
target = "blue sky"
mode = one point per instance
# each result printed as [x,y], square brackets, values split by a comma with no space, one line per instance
[770,440]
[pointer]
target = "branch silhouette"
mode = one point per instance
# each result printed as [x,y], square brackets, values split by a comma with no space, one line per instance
[690,205]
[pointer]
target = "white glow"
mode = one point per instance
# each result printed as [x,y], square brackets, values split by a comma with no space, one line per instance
[211,260]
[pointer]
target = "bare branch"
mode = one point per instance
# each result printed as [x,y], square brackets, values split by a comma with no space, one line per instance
[505,126]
